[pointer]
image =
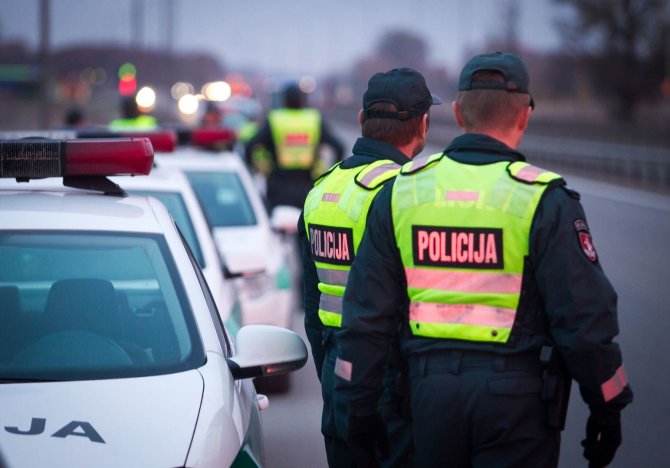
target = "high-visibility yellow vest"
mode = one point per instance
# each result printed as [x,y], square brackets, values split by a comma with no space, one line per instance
[335,215]
[463,232]
[141,122]
[296,134]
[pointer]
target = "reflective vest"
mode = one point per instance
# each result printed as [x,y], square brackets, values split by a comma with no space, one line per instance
[463,232]
[335,215]
[296,134]
[141,122]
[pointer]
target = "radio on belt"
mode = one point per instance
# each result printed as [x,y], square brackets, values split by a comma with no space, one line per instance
[81,163]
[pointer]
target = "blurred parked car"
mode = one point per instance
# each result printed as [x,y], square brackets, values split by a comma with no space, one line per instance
[260,256]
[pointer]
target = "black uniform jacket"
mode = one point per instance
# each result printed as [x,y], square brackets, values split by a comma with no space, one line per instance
[365,151]
[289,186]
[566,298]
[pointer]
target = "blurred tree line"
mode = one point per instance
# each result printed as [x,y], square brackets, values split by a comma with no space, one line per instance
[616,53]
[625,47]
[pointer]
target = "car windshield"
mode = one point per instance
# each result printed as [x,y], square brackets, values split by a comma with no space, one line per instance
[223,198]
[83,305]
[174,202]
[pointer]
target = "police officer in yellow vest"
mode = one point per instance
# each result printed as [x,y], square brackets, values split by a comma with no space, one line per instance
[286,149]
[131,117]
[394,122]
[504,301]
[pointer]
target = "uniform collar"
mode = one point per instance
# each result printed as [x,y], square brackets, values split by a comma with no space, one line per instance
[368,150]
[483,148]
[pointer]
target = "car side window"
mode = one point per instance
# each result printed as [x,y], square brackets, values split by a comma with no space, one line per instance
[211,305]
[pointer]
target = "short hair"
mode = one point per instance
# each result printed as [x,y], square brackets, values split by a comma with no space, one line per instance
[393,131]
[490,107]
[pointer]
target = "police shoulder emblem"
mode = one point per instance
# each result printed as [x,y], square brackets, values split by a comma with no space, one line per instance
[585,240]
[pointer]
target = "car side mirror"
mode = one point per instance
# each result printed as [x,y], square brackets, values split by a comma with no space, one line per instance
[285,219]
[264,350]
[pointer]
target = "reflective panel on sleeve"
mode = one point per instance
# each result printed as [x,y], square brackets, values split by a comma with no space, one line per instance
[467,321]
[464,281]
[330,310]
[615,385]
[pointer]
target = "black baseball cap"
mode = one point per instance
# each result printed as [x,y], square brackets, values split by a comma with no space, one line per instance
[510,66]
[405,88]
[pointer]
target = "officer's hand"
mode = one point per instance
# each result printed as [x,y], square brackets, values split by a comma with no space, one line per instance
[366,435]
[603,436]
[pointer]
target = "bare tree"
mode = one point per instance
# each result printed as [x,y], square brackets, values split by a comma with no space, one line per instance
[618,39]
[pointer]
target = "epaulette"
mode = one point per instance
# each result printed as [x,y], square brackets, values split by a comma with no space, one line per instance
[529,174]
[420,162]
[376,174]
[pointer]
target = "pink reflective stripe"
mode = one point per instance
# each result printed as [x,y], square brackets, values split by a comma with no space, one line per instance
[499,283]
[343,369]
[330,197]
[377,171]
[614,386]
[467,314]
[463,196]
[529,173]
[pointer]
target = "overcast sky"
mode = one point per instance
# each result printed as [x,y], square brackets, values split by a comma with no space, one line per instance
[290,36]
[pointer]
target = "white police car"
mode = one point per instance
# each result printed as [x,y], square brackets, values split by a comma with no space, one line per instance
[243,232]
[171,187]
[112,351]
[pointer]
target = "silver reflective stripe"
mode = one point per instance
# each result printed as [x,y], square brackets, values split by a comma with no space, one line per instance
[377,171]
[331,303]
[334,277]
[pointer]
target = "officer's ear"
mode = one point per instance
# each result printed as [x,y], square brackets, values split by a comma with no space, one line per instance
[360,117]
[524,116]
[457,113]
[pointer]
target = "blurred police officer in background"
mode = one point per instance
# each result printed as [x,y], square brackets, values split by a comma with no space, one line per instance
[286,149]
[503,297]
[394,122]
[132,118]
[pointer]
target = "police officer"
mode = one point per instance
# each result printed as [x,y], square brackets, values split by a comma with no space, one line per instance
[131,117]
[285,149]
[504,299]
[394,122]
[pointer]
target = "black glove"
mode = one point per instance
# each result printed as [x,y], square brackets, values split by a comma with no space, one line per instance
[603,436]
[366,435]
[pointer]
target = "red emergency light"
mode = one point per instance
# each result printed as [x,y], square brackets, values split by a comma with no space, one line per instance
[164,141]
[39,158]
[214,138]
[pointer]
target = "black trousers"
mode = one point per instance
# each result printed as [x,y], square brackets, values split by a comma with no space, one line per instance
[334,419]
[475,409]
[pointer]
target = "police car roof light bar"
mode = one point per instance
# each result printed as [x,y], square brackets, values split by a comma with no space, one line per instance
[206,137]
[35,158]
[162,140]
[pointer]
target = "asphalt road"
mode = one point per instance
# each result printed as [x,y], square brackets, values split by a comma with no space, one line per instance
[631,231]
